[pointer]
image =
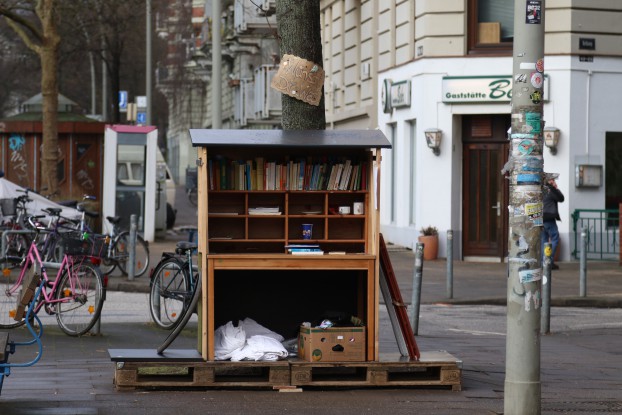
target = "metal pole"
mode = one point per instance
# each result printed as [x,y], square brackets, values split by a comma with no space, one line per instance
[132,248]
[415,301]
[216,66]
[450,264]
[583,264]
[148,66]
[522,391]
[545,320]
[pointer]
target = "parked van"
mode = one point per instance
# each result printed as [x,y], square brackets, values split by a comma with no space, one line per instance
[130,172]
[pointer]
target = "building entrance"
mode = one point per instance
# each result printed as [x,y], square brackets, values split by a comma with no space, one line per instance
[485,189]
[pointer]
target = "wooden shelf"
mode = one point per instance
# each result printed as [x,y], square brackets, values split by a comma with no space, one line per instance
[246,269]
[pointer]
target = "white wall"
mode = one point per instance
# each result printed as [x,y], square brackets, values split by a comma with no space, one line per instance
[438,179]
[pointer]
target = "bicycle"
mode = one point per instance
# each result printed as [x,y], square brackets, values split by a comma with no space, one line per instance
[173,283]
[17,239]
[117,253]
[75,295]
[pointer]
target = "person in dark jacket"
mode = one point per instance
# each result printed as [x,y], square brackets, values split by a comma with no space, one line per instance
[550,215]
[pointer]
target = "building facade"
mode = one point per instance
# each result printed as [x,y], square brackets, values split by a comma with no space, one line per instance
[446,68]
[409,67]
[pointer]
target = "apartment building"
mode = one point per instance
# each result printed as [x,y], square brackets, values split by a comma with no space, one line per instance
[409,67]
[445,68]
[250,57]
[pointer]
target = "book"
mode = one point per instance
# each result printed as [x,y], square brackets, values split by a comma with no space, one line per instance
[259,163]
[290,250]
[307,252]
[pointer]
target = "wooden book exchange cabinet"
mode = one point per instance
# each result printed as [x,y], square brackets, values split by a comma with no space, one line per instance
[256,190]
[288,232]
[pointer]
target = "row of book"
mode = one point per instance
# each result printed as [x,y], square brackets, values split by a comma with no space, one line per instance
[299,174]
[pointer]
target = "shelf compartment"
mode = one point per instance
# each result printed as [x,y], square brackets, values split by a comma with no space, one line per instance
[349,246]
[294,228]
[227,203]
[300,202]
[266,199]
[222,246]
[230,227]
[266,227]
[346,227]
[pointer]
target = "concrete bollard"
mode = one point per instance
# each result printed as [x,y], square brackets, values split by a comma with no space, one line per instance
[132,248]
[416,294]
[583,264]
[450,264]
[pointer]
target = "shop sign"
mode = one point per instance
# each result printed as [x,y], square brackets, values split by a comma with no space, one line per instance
[400,94]
[484,89]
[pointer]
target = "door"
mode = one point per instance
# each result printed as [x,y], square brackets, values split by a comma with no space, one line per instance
[485,188]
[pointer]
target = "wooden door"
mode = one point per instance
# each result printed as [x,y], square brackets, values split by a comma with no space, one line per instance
[485,196]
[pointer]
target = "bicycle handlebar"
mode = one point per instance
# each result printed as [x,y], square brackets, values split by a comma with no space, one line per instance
[31,222]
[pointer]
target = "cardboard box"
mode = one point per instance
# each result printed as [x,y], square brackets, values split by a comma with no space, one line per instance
[489,32]
[335,344]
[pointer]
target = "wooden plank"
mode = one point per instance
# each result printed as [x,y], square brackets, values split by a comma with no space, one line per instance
[396,301]
[151,355]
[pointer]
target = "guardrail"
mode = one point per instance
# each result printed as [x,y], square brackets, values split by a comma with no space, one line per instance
[603,233]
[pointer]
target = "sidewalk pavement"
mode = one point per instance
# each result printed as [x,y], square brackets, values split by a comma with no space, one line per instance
[473,282]
[580,367]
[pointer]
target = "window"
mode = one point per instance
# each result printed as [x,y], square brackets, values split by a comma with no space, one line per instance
[491,26]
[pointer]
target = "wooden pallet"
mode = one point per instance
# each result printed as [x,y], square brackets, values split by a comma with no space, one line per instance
[432,369]
[179,369]
[176,369]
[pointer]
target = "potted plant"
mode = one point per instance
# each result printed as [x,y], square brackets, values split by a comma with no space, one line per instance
[429,237]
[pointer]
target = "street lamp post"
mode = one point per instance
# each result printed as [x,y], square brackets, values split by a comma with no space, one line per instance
[522,392]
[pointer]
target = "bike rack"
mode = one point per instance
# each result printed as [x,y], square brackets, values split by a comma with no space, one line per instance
[5,367]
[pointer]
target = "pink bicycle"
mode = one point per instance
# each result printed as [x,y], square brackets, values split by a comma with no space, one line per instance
[75,295]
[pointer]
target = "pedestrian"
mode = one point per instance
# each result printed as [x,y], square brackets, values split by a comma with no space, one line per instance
[550,215]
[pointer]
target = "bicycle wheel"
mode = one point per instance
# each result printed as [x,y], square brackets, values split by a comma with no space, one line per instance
[169,293]
[121,253]
[11,292]
[196,295]
[80,296]
[17,245]
[107,265]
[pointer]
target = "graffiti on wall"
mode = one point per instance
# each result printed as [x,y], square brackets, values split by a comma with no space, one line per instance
[83,176]
[85,180]
[17,159]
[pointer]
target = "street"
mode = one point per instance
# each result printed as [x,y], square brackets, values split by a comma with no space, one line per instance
[580,368]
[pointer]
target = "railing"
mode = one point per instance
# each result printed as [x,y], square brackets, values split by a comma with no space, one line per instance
[603,233]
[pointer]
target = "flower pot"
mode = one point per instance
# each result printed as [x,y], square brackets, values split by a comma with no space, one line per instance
[430,250]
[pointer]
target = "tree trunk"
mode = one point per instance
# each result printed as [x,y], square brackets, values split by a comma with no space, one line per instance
[48,53]
[298,24]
